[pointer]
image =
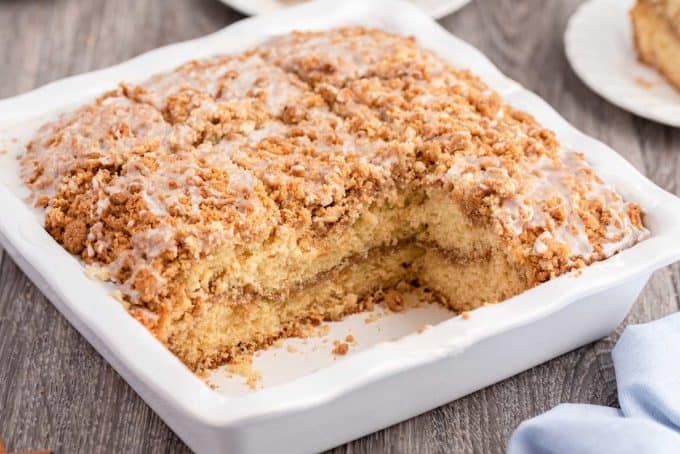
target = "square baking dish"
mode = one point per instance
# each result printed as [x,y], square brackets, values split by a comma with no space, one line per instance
[379,385]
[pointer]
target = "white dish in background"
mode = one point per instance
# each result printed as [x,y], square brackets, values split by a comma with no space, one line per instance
[435,8]
[384,380]
[599,46]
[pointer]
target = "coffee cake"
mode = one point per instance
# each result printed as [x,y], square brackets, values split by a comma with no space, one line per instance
[238,198]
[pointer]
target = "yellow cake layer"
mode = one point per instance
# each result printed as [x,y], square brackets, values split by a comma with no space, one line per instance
[221,329]
[288,259]
[469,284]
[224,329]
[286,263]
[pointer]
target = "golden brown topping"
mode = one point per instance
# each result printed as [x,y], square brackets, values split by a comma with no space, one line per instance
[75,235]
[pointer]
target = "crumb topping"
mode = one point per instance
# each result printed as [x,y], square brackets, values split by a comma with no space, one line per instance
[340,348]
[306,131]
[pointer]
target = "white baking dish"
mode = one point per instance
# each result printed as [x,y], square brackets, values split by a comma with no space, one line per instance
[381,384]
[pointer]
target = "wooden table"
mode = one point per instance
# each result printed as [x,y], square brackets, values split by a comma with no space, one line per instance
[57,393]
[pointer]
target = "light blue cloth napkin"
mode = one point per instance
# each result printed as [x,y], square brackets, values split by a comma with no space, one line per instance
[647,363]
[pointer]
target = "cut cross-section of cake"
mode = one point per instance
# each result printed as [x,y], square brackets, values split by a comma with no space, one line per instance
[239,198]
[656,36]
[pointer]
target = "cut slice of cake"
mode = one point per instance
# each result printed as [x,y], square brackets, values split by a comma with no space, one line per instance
[239,198]
[656,33]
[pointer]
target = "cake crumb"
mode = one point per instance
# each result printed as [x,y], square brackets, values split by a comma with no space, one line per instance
[243,366]
[368,303]
[324,330]
[465,315]
[644,83]
[422,329]
[372,318]
[341,348]
[394,301]
[291,349]
[349,338]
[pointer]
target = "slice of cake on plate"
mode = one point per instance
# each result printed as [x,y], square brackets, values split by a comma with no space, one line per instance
[656,33]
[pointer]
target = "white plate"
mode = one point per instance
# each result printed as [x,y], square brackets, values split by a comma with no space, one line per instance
[435,8]
[599,46]
[310,408]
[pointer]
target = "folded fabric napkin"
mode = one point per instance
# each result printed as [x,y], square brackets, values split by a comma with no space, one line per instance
[647,363]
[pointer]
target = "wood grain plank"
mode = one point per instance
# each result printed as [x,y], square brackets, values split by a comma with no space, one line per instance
[56,392]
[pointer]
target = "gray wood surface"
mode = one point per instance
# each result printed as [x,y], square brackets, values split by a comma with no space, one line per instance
[56,392]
